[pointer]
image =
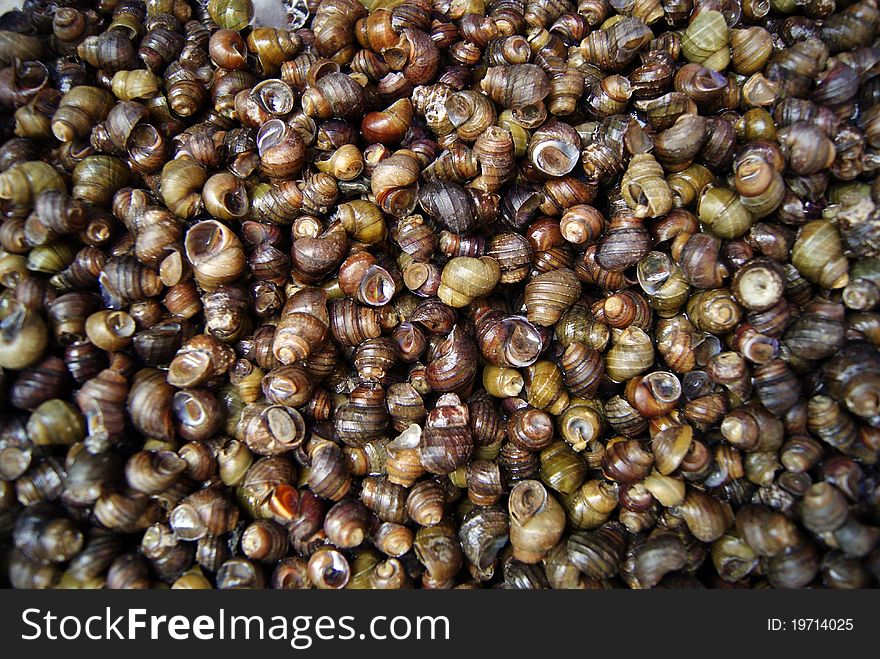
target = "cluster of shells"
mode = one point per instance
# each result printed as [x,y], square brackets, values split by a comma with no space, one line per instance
[441,293]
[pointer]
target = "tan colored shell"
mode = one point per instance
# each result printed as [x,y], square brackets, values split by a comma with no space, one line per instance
[631,355]
[818,254]
[215,253]
[494,151]
[516,86]
[549,294]
[465,278]
[644,187]
[705,41]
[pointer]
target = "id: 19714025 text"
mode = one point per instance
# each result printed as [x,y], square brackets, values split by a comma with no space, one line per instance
[810,624]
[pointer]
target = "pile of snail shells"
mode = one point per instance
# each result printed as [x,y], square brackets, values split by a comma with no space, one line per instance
[516,294]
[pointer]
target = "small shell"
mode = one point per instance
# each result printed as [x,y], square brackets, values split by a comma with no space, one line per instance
[549,294]
[537,521]
[464,279]
[516,86]
[554,149]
